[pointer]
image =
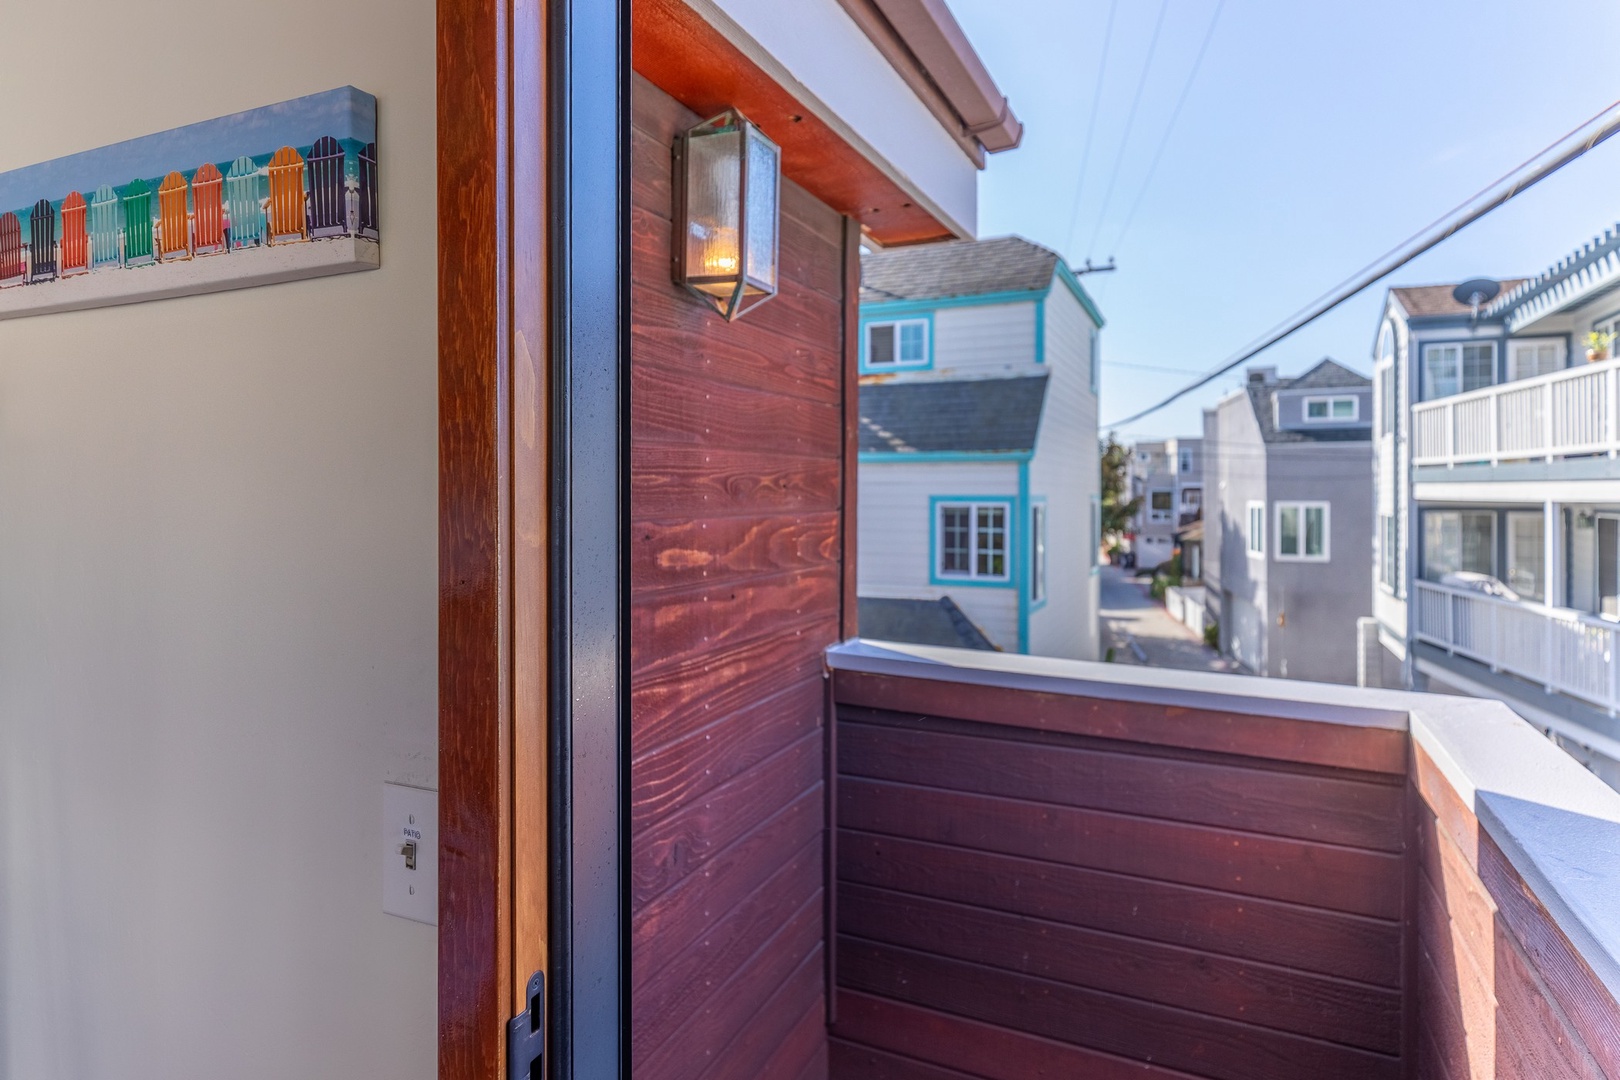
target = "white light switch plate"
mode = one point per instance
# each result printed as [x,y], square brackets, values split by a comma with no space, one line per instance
[411,815]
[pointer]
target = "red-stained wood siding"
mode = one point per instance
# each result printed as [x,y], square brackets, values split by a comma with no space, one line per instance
[1031,899]
[1500,991]
[737,476]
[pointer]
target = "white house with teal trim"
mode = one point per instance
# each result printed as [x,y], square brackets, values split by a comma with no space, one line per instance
[978,441]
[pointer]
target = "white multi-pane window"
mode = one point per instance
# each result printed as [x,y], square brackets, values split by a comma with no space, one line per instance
[1539,356]
[971,541]
[1386,400]
[902,343]
[1329,409]
[1255,534]
[1184,461]
[1160,508]
[1192,498]
[1037,552]
[1458,368]
[1302,531]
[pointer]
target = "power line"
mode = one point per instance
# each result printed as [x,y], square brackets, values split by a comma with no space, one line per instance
[1091,125]
[1130,123]
[1175,114]
[1517,180]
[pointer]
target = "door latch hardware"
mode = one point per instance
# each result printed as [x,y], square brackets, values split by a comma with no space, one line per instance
[526,1035]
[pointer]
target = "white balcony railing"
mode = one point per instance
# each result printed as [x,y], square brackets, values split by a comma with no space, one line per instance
[1565,413]
[1563,650]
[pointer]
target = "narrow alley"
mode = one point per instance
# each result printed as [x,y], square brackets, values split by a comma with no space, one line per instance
[1137,630]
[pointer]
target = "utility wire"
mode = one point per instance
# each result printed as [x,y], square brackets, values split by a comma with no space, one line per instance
[1175,114]
[1091,125]
[1517,180]
[1130,122]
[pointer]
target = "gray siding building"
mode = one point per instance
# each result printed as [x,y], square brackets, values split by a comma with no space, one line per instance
[1288,514]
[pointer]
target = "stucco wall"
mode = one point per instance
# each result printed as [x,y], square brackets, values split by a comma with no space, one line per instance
[217,591]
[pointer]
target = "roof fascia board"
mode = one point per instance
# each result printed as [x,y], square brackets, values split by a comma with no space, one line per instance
[883,308]
[937,456]
[1065,275]
[745,43]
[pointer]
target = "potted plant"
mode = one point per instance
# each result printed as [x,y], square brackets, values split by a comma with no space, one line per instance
[1598,343]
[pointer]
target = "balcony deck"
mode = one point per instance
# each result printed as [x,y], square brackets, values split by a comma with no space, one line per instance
[1055,869]
[1565,414]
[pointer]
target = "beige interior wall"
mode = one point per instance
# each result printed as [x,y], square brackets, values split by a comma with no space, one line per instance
[217,590]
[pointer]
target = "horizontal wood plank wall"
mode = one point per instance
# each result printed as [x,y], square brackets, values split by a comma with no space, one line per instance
[1501,992]
[1017,902]
[736,466]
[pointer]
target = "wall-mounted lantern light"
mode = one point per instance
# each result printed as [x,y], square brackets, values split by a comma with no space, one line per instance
[727,187]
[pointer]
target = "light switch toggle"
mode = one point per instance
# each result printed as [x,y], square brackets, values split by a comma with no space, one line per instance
[411,853]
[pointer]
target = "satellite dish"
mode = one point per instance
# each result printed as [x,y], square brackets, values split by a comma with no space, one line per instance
[1476,291]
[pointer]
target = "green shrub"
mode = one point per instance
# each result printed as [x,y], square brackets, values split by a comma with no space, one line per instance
[1212,634]
[1156,590]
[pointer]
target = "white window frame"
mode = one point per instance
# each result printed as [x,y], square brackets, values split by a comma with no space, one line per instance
[1329,400]
[1386,399]
[1611,325]
[1516,346]
[1254,529]
[899,361]
[1388,562]
[1304,506]
[1439,347]
[1192,498]
[973,507]
[1184,461]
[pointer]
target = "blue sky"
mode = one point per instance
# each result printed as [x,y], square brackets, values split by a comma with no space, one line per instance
[1315,137]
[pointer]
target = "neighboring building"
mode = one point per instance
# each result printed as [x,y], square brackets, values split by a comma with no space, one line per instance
[979,462]
[1497,563]
[1287,465]
[1168,477]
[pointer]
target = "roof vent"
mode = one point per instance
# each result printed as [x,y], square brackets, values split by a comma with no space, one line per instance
[1262,376]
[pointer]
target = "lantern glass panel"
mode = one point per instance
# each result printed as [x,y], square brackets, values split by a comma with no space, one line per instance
[714,210]
[763,188]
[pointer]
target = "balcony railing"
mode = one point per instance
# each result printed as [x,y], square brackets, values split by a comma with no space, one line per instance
[1567,413]
[1049,868]
[1563,650]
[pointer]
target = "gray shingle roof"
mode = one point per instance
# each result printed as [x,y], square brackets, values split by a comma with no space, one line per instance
[957,268]
[920,622]
[959,415]
[1327,374]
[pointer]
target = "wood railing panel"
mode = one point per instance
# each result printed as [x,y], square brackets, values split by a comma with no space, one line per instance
[1501,991]
[1067,879]
[1226,924]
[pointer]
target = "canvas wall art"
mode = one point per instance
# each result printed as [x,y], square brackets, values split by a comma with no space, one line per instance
[273,194]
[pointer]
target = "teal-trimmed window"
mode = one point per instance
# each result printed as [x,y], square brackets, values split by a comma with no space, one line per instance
[973,541]
[1037,553]
[898,343]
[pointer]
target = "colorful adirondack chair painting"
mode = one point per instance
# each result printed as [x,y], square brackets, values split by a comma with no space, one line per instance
[305,180]
[75,238]
[174,223]
[106,217]
[207,210]
[42,242]
[368,191]
[287,211]
[137,223]
[328,202]
[11,250]
[244,202]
